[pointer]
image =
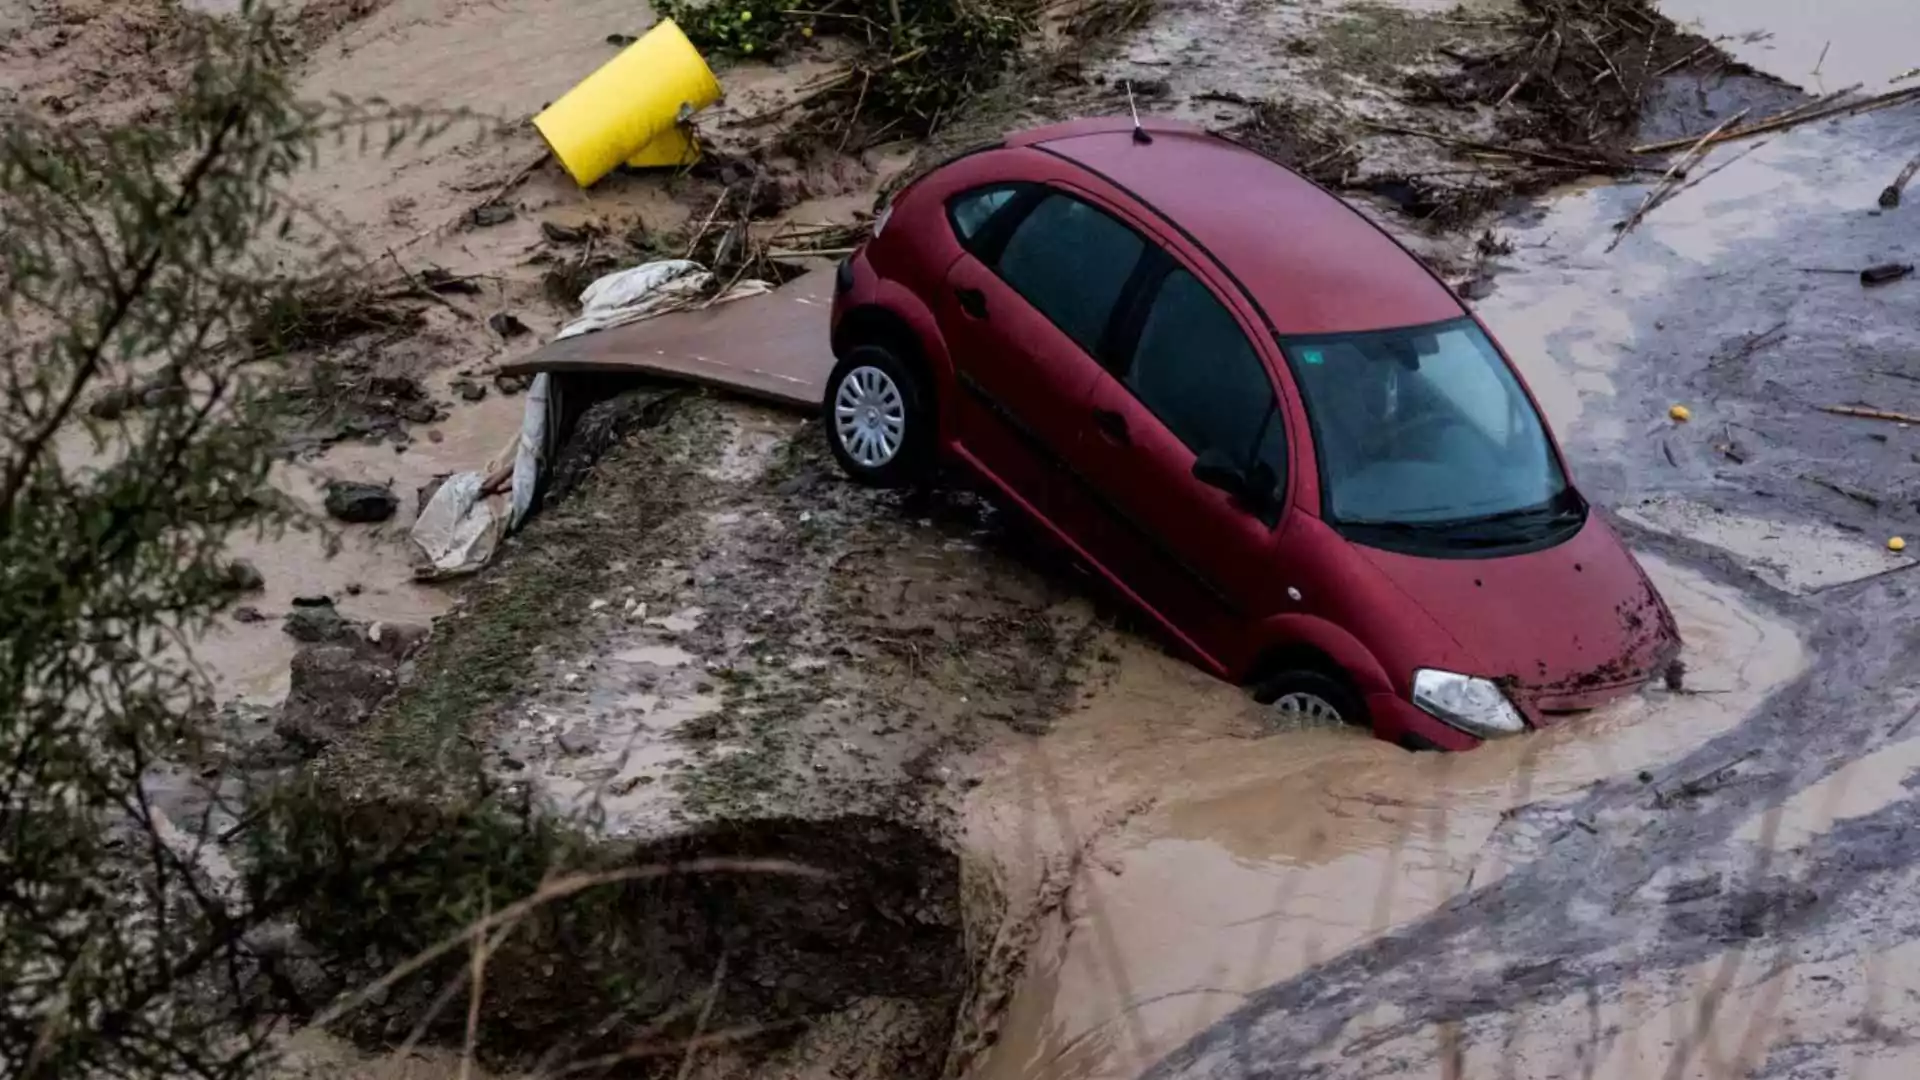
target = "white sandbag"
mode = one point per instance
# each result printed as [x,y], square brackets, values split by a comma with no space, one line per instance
[458,530]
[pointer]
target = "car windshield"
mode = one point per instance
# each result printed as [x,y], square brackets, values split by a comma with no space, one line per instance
[1424,425]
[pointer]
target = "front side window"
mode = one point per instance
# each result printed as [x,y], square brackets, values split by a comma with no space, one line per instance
[1070,261]
[1425,427]
[1196,371]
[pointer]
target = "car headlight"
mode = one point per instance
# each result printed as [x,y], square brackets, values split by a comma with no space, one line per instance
[1475,706]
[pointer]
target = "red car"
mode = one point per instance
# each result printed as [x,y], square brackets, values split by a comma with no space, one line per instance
[1253,413]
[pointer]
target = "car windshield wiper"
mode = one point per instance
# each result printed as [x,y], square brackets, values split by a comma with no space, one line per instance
[1449,531]
[1501,528]
[1526,522]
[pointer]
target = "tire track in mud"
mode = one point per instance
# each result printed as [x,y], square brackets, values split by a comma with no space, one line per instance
[1648,884]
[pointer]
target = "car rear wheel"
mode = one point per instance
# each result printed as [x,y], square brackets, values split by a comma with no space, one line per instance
[1310,699]
[879,418]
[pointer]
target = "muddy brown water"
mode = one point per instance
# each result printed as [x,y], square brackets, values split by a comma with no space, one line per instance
[1218,857]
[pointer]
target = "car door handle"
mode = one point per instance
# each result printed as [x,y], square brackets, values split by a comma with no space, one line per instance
[1112,425]
[972,301]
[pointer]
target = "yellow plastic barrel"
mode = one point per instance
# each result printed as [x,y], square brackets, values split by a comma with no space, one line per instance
[633,100]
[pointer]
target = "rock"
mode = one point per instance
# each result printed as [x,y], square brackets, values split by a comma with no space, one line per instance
[155,396]
[316,625]
[397,639]
[354,588]
[113,404]
[491,214]
[621,39]
[249,614]
[419,412]
[510,384]
[334,688]
[468,390]
[360,504]
[276,939]
[150,393]
[243,576]
[506,324]
[577,740]
[565,234]
[313,601]
[397,387]
[427,491]
[438,279]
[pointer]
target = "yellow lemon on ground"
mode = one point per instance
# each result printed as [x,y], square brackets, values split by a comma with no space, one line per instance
[1680,414]
[1897,544]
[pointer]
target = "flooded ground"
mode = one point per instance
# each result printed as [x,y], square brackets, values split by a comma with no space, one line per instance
[1821,47]
[1216,856]
[1708,883]
[1649,891]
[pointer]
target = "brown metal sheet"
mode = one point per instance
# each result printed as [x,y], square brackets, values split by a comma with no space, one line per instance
[774,346]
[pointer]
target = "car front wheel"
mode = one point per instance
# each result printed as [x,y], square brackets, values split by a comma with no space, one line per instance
[879,420]
[1309,699]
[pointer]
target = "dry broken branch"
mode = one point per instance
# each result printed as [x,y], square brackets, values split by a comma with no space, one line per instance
[1869,414]
[1673,175]
[1793,118]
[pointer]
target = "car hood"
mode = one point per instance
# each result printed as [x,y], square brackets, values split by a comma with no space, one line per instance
[1561,629]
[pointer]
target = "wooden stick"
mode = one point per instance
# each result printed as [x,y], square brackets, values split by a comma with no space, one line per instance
[1788,119]
[701,233]
[1683,61]
[1890,198]
[1614,71]
[1667,181]
[1803,107]
[1705,176]
[1870,414]
[1510,151]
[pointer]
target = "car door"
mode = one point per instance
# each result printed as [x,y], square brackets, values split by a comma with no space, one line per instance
[1189,383]
[1026,312]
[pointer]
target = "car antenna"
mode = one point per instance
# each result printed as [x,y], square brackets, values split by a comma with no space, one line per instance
[1139,133]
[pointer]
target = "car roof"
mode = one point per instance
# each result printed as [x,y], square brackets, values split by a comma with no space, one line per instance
[1314,264]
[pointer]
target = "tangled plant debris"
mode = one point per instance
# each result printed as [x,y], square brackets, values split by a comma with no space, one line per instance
[913,64]
[1578,74]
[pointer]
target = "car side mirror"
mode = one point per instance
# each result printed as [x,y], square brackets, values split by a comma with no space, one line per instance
[1214,470]
[1252,487]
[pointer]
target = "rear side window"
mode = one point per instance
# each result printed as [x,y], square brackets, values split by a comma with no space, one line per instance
[1196,372]
[970,211]
[1071,261]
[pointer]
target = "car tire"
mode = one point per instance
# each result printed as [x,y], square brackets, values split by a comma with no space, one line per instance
[879,418]
[1311,697]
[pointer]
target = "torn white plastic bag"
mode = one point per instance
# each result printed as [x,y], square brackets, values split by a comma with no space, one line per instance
[462,526]
[649,289]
